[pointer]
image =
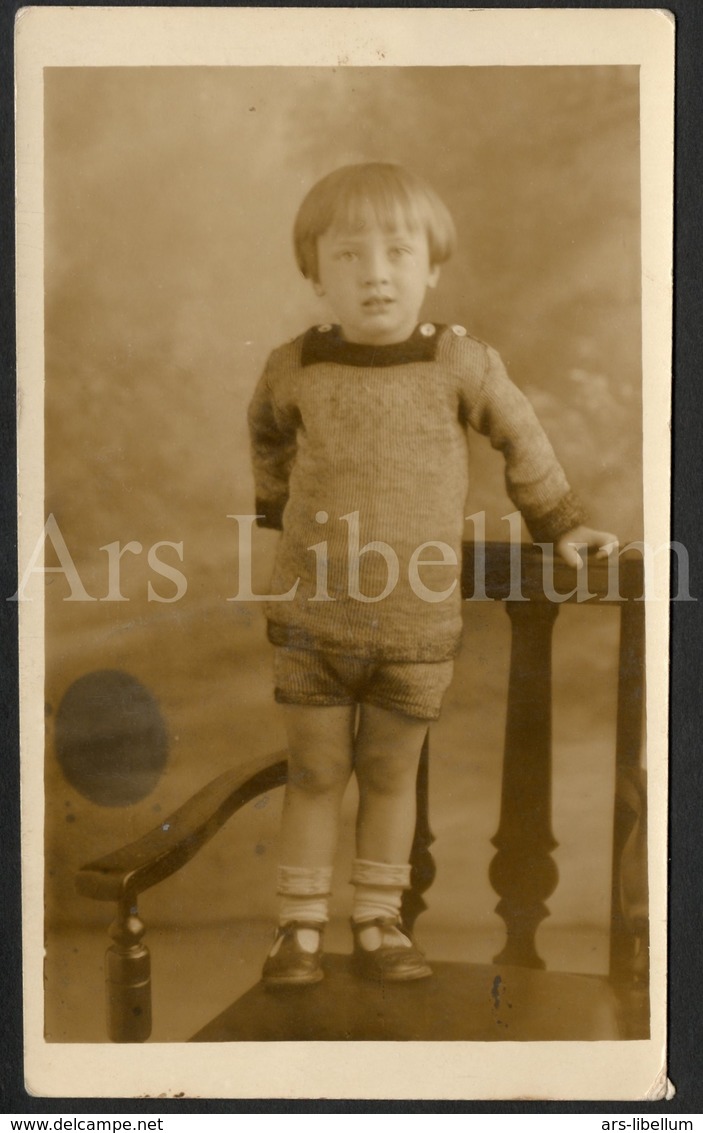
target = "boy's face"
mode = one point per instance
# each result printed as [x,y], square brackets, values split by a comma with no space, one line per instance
[375,279]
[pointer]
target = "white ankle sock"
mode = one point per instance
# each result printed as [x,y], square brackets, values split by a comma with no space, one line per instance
[378,893]
[304,896]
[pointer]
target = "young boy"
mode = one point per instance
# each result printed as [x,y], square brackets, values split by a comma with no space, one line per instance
[359,442]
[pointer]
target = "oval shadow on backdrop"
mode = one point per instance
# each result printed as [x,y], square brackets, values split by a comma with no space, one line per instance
[110,739]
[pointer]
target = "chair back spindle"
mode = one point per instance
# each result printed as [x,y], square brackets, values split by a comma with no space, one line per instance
[522,872]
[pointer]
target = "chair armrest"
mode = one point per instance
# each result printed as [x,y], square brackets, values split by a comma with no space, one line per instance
[154,857]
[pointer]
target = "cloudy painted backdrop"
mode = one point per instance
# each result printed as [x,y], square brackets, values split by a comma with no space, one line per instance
[170,197]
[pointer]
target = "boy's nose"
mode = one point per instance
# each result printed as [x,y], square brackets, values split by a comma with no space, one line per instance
[375,268]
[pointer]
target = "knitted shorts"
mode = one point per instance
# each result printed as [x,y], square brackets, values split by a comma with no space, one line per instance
[322,679]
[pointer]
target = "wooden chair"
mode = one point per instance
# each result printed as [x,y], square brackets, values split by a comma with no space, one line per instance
[514,998]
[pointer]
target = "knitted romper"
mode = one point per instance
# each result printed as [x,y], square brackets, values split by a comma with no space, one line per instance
[355,445]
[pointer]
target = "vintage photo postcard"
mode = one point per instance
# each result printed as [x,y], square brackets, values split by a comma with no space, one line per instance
[344,380]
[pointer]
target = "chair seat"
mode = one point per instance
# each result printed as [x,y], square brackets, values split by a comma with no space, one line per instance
[469,1002]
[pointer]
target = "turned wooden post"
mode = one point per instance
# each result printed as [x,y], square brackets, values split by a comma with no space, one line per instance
[128,977]
[423,869]
[522,872]
[629,958]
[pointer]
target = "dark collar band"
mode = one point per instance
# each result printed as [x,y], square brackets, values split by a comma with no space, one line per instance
[328,345]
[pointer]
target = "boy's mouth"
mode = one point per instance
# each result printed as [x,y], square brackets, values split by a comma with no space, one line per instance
[377,303]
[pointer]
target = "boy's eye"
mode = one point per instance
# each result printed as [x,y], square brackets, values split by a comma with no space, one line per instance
[398,250]
[347,256]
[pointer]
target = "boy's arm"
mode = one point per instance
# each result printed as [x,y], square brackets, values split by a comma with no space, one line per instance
[273,447]
[535,480]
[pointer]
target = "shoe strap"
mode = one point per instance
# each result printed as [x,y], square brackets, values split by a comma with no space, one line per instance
[295,926]
[380,922]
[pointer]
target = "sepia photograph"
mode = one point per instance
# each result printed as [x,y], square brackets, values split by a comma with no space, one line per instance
[344,552]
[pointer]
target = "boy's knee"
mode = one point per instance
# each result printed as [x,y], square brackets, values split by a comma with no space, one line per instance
[386,775]
[319,778]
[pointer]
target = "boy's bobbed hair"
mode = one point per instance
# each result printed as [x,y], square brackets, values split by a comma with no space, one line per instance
[343,199]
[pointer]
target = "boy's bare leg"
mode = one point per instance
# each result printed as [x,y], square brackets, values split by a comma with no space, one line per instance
[387,749]
[387,753]
[320,743]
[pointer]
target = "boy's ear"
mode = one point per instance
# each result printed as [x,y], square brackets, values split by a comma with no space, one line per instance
[433,277]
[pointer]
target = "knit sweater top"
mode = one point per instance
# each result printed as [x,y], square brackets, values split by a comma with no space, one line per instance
[355,445]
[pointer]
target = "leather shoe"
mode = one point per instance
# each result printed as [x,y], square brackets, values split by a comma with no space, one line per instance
[289,965]
[388,962]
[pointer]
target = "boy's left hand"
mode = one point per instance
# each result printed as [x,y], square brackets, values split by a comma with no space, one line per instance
[606,544]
